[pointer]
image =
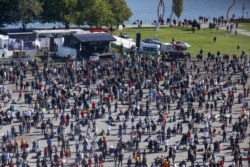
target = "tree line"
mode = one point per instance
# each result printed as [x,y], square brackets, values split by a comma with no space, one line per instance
[79,12]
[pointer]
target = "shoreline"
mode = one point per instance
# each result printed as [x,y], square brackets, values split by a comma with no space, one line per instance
[127,25]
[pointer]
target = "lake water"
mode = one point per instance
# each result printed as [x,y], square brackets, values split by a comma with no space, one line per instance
[146,10]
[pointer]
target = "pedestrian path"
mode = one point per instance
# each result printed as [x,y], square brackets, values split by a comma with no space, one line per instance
[240,31]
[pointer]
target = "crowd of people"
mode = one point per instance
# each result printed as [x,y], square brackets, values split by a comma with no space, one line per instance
[175,106]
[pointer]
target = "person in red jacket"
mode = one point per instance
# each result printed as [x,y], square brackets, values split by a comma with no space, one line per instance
[82,113]
[11,164]
[67,154]
[89,162]
[93,105]
[20,94]
[55,113]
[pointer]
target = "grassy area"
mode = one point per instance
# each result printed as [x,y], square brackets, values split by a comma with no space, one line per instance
[201,39]
[244,26]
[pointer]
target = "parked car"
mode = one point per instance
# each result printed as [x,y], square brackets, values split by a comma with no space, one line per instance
[126,36]
[166,47]
[152,41]
[182,45]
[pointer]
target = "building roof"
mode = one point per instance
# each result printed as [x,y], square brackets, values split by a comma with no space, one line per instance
[94,37]
[58,31]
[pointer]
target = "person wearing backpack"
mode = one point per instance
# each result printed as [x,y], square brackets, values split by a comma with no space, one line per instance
[3,158]
[129,162]
[96,158]
[248,158]
[173,156]
[1,122]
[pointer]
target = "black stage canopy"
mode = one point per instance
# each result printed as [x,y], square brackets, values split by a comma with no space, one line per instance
[94,37]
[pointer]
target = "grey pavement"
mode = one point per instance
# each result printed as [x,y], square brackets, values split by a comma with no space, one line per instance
[203,25]
[240,31]
[35,133]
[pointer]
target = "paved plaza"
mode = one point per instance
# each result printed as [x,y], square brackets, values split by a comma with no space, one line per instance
[113,138]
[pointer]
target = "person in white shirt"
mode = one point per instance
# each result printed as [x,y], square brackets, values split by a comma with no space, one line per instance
[174,147]
[6,100]
[191,142]
[11,69]
[206,124]
[81,155]
[95,132]
[54,71]
[166,145]
[108,129]
[28,114]
[7,154]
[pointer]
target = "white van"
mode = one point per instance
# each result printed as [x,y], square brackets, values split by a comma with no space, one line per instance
[166,47]
[153,49]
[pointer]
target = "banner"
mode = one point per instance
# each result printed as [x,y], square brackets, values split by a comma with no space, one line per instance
[21,42]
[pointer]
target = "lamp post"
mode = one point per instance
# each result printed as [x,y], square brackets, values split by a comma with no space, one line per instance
[243,10]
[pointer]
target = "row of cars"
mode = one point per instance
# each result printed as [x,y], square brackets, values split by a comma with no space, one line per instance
[153,46]
[178,45]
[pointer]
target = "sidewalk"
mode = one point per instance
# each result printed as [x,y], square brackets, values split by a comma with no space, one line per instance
[203,25]
[240,31]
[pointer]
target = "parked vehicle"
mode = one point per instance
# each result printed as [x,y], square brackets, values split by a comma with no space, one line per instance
[182,45]
[126,36]
[152,49]
[166,47]
[152,41]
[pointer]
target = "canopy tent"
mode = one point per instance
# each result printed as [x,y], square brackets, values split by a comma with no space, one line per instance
[94,37]
[127,44]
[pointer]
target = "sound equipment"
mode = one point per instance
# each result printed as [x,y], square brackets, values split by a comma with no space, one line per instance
[138,40]
[51,44]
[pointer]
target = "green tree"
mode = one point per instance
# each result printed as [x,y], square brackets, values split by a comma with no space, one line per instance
[62,11]
[120,10]
[178,8]
[28,11]
[98,13]
[80,14]
[51,12]
[92,12]
[8,12]
[68,13]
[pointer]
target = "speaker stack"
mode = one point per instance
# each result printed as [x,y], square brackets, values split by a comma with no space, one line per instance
[138,40]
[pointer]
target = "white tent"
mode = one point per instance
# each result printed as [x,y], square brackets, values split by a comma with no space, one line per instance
[127,44]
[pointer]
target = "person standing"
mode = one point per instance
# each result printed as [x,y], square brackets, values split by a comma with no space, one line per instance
[240,161]
[224,136]
[173,157]
[129,161]
[5,101]
[120,158]
[236,159]
[215,39]
[248,158]
[20,95]
[1,122]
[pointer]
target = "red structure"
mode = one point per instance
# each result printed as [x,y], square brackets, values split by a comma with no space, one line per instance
[161,11]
